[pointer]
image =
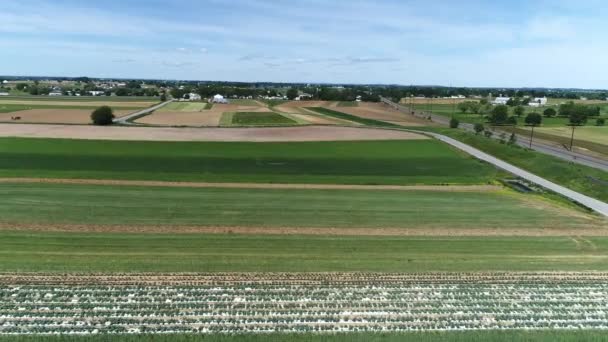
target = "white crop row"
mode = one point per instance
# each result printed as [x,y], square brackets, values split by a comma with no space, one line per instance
[301,308]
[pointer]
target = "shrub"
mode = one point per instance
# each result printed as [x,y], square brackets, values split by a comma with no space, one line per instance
[454,123]
[488,134]
[600,122]
[102,116]
[478,128]
[512,121]
[163,98]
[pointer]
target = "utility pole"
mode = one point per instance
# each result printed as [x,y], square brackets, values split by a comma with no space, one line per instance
[572,138]
[532,136]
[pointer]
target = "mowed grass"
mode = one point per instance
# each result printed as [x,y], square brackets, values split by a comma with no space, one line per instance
[369,162]
[587,180]
[244,102]
[468,336]
[353,118]
[593,134]
[310,208]
[130,253]
[260,119]
[186,106]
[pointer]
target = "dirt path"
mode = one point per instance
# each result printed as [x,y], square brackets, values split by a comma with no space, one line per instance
[443,188]
[278,134]
[532,231]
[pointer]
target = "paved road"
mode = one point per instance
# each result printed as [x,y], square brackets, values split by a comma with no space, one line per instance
[125,119]
[596,205]
[523,141]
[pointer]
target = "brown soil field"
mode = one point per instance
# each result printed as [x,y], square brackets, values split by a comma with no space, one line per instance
[278,134]
[129,104]
[58,116]
[442,188]
[379,111]
[209,117]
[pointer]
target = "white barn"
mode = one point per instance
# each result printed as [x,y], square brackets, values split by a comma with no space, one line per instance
[219,99]
[501,100]
[538,102]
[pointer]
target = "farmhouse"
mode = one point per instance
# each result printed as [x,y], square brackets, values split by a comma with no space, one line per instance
[56,93]
[194,97]
[3,93]
[96,92]
[5,82]
[501,100]
[219,99]
[538,101]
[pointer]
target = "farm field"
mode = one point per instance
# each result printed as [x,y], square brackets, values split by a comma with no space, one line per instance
[394,304]
[195,114]
[90,253]
[256,119]
[594,134]
[186,106]
[37,104]
[51,116]
[422,161]
[379,111]
[275,210]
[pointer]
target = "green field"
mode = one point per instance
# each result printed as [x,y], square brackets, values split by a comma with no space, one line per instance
[218,207]
[122,252]
[186,106]
[260,119]
[447,110]
[370,162]
[584,179]
[472,336]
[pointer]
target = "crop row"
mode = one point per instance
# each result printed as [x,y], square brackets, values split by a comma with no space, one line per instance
[110,309]
[299,278]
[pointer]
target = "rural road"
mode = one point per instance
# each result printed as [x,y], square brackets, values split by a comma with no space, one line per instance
[523,141]
[591,203]
[125,119]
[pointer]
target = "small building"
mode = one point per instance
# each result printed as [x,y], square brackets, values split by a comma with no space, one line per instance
[56,93]
[359,98]
[97,92]
[5,82]
[303,97]
[501,100]
[4,93]
[219,99]
[194,97]
[538,102]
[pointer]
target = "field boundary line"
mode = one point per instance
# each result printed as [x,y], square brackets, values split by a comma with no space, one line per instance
[439,188]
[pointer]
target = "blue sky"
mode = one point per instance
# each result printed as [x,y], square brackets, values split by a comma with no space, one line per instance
[516,43]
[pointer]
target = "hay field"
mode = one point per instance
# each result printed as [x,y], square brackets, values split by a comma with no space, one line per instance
[195,114]
[54,116]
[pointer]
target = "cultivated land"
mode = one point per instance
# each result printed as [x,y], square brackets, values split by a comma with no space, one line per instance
[381,211]
[52,116]
[196,114]
[373,162]
[258,119]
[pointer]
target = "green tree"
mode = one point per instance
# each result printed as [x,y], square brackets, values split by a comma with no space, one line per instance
[533,119]
[600,122]
[463,107]
[478,127]
[550,112]
[499,115]
[512,139]
[577,118]
[519,111]
[512,121]
[163,97]
[102,116]
[292,93]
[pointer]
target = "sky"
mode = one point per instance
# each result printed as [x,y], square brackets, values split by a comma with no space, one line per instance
[493,43]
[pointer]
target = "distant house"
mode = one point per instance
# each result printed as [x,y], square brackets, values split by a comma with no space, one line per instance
[5,82]
[219,99]
[192,97]
[4,93]
[303,97]
[359,98]
[501,100]
[538,102]
[97,92]
[56,93]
